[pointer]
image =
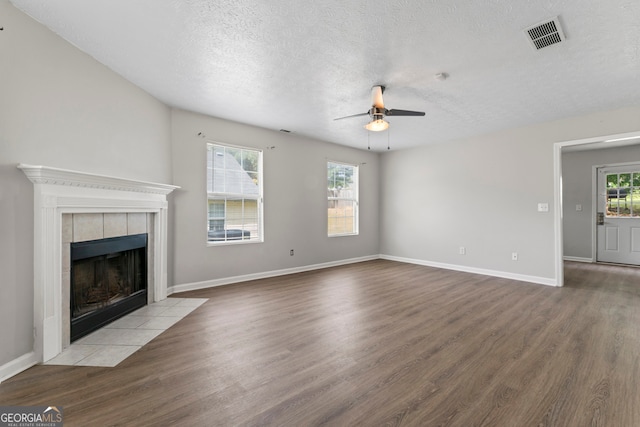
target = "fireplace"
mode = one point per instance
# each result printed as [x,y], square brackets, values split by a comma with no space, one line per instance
[59,196]
[108,280]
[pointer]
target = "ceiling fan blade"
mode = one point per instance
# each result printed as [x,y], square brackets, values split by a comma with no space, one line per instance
[404,113]
[355,115]
[376,96]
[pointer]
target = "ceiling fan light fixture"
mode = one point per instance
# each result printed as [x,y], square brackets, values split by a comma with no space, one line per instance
[377,125]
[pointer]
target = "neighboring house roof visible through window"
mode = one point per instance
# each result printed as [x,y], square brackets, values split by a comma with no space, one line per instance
[229,177]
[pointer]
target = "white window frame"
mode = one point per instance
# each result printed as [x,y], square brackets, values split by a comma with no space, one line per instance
[355,199]
[226,196]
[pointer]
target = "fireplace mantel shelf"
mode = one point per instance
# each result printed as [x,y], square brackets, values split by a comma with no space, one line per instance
[56,176]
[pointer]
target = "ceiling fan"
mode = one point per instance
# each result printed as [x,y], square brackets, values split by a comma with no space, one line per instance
[378,112]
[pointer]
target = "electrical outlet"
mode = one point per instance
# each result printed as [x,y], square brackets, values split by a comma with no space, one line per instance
[462,250]
[291,252]
[514,256]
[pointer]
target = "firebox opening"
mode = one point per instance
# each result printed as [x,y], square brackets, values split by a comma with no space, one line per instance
[108,281]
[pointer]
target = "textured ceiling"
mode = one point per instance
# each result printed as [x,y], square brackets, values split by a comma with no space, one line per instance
[297,65]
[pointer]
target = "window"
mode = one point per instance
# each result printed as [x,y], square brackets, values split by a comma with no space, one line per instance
[623,194]
[234,194]
[342,192]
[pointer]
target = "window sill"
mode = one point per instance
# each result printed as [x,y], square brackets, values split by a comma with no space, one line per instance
[232,243]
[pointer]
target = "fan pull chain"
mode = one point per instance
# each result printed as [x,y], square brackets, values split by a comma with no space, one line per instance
[388,138]
[368,140]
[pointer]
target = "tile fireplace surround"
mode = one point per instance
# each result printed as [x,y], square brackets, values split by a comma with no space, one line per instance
[119,206]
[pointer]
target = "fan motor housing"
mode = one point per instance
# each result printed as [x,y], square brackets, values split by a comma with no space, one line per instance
[377,113]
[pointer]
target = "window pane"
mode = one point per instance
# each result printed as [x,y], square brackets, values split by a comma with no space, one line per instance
[339,177]
[348,178]
[336,225]
[234,214]
[235,181]
[235,153]
[250,161]
[625,180]
[217,165]
[251,217]
[253,176]
[332,174]
[216,208]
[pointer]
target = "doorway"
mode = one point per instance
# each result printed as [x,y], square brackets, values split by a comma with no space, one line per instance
[605,141]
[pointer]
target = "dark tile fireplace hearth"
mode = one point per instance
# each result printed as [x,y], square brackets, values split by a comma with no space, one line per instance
[108,281]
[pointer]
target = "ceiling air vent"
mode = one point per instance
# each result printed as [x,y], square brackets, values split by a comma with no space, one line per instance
[545,34]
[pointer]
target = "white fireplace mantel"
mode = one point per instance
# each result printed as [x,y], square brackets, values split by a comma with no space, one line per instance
[61,191]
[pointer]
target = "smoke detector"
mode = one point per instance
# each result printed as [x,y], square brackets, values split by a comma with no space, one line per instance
[545,33]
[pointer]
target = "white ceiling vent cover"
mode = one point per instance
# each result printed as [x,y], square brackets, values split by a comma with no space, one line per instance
[545,34]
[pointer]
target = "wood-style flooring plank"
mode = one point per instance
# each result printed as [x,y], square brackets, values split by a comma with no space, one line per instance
[374,343]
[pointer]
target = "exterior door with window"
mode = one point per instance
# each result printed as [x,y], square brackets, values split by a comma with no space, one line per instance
[618,234]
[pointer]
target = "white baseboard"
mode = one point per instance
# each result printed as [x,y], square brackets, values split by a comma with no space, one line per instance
[495,273]
[577,259]
[18,365]
[263,275]
[185,287]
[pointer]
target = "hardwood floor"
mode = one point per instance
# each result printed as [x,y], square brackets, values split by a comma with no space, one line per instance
[375,343]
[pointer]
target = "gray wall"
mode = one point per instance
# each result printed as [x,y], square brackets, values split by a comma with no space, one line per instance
[482,193]
[61,108]
[577,178]
[295,206]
